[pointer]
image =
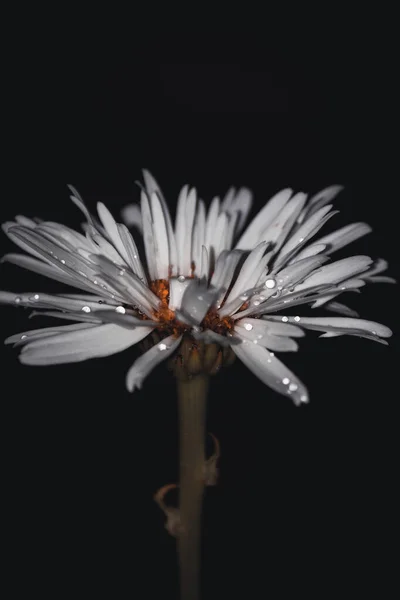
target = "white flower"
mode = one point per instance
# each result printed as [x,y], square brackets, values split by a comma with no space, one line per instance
[204,278]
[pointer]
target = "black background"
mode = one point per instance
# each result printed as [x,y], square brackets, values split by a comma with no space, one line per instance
[305,494]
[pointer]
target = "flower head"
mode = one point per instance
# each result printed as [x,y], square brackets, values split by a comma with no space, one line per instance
[205,281]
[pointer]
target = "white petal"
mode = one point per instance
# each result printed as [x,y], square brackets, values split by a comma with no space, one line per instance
[205,264]
[272,327]
[323,197]
[196,301]
[308,251]
[272,342]
[242,203]
[263,219]
[76,346]
[177,287]
[342,309]
[248,275]
[344,236]
[25,221]
[345,325]
[146,363]
[381,279]
[111,228]
[271,371]
[36,334]
[212,217]
[132,251]
[199,230]
[77,200]
[296,272]
[132,216]
[224,272]
[337,271]
[304,233]
[148,236]
[42,268]
[160,239]
[277,230]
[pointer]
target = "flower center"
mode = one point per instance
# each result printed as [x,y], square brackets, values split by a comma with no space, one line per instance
[168,322]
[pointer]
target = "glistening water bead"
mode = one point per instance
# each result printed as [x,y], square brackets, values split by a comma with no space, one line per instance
[270,284]
[120,309]
[86,309]
[162,346]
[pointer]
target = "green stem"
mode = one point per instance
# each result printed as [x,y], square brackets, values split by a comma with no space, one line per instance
[192,396]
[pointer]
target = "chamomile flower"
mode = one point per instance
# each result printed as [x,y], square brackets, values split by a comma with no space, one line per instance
[205,284]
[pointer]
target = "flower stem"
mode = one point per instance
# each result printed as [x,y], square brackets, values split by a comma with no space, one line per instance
[192,397]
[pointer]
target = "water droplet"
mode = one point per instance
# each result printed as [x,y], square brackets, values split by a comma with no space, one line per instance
[63,261]
[255,342]
[343,287]
[301,240]
[285,319]
[95,282]
[35,297]
[280,288]
[23,337]
[86,309]
[162,346]
[248,326]
[259,337]
[270,284]
[374,333]
[304,398]
[200,297]
[277,294]
[101,301]
[244,297]
[120,310]
[262,298]
[297,319]
[286,381]
[269,360]
[17,300]
[121,272]
[271,354]
[293,387]
[181,278]
[256,302]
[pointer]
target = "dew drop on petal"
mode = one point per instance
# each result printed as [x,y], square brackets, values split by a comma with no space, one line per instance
[293,387]
[120,309]
[35,297]
[255,342]
[162,346]
[181,278]
[374,333]
[285,381]
[301,239]
[86,309]
[304,398]
[285,319]
[95,282]
[297,319]
[270,284]
[248,326]
[23,337]
[269,360]
[277,294]
[271,354]
[63,261]
[17,300]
